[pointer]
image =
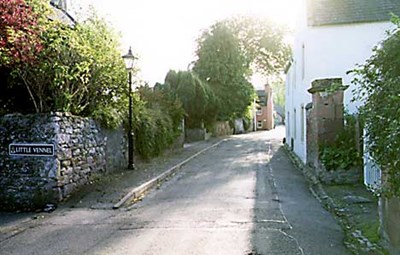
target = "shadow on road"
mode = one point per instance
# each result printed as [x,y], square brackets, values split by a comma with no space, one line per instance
[287,218]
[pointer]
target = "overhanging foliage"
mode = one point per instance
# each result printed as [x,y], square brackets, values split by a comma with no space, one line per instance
[378,80]
[77,69]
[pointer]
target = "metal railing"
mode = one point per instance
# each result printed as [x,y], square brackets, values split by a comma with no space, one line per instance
[372,174]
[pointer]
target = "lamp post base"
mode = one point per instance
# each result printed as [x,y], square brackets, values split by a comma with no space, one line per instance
[131,161]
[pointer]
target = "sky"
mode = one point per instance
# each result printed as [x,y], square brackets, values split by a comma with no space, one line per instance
[163,33]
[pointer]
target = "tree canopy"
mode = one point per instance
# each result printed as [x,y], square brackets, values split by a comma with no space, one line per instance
[221,64]
[158,120]
[76,69]
[230,51]
[20,28]
[198,99]
[262,42]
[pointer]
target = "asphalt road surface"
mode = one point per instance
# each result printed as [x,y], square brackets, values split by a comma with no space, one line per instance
[241,197]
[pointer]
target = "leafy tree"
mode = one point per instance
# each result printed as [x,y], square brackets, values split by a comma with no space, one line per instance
[79,69]
[278,88]
[379,90]
[230,51]
[159,98]
[158,120]
[20,29]
[222,64]
[262,43]
[196,96]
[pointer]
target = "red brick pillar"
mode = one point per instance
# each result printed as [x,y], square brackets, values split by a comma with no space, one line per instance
[325,118]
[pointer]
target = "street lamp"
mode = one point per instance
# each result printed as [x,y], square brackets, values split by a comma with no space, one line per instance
[129,61]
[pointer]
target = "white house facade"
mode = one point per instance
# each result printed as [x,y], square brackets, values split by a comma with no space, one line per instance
[327,45]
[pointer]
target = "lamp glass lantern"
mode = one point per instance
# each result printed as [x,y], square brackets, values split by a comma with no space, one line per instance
[129,59]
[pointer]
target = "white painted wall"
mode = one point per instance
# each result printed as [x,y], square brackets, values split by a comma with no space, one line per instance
[329,52]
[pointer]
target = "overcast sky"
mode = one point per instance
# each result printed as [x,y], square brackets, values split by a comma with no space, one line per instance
[162,33]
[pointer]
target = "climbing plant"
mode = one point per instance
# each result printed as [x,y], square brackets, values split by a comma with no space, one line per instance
[378,88]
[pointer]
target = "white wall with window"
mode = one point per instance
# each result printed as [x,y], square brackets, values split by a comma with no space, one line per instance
[326,52]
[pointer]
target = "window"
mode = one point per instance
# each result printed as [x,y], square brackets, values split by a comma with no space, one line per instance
[294,75]
[259,112]
[262,100]
[302,123]
[303,61]
[294,124]
[288,83]
[259,124]
[288,123]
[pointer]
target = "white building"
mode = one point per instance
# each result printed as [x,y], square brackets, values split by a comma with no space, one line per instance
[332,37]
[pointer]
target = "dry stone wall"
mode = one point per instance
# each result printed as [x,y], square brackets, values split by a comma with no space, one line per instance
[81,150]
[222,128]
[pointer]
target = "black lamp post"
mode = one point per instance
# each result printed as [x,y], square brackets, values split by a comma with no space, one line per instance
[129,61]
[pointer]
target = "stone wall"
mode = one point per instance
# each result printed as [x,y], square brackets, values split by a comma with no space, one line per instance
[222,128]
[81,150]
[116,149]
[339,176]
[195,134]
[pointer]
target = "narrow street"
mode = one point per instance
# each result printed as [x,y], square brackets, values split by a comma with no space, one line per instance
[241,197]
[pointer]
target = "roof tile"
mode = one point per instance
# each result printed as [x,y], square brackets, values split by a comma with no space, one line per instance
[331,12]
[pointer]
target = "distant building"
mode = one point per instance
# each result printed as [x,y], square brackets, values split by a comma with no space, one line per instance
[265,109]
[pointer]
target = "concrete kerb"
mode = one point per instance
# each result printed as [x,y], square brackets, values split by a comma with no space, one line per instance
[139,191]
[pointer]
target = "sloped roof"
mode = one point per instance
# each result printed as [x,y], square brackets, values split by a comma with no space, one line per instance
[331,12]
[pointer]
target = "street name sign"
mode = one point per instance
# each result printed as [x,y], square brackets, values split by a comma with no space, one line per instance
[15,149]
